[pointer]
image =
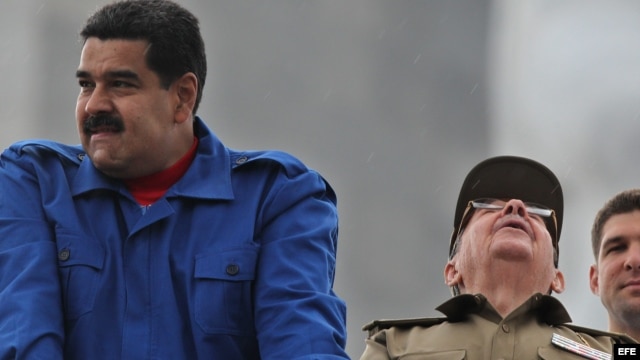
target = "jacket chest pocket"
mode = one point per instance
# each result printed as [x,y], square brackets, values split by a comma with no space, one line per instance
[223,299]
[440,355]
[554,353]
[79,266]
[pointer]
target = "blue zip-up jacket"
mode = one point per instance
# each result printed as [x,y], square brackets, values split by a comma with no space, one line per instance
[235,261]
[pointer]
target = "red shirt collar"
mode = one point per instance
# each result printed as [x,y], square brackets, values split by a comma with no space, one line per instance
[148,189]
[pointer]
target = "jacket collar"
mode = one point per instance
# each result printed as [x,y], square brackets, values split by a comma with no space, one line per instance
[546,308]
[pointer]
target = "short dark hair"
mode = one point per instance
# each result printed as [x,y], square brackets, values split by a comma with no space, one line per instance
[622,203]
[176,45]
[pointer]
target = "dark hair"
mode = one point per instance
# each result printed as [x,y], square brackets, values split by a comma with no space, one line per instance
[176,45]
[622,203]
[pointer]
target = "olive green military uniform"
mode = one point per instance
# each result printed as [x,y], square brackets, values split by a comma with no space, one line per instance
[474,330]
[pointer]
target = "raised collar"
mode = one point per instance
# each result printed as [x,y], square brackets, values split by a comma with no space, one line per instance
[546,308]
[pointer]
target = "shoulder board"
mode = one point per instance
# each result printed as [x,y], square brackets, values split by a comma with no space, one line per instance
[73,153]
[617,337]
[292,165]
[378,325]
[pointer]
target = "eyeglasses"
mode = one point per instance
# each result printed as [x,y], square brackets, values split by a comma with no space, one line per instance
[494,204]
[497,205]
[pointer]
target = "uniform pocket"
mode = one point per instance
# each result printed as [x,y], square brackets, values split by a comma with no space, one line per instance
[223,291]
[555,353]
[440,355]
[79,267]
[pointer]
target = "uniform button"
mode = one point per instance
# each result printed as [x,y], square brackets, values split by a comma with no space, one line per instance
[233,269]
[241,160]
[478,299]
[505,328]
[81,157]
[63,255]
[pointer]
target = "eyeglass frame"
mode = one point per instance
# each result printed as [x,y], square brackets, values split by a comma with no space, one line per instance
[536,209]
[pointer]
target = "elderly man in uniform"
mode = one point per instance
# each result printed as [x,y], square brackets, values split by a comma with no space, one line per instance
[502,269]
[615,276]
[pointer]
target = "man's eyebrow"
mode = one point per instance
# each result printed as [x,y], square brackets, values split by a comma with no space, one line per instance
[114,74]
[82,74]
[612,240]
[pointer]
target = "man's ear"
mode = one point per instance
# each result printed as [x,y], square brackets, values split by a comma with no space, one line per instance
[451,275]
[593,280]
[557,285]
[186,88]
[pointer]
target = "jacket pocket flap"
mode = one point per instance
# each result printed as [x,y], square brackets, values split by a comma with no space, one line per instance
[554,353]
[440,355]
[74,250]
[237,264]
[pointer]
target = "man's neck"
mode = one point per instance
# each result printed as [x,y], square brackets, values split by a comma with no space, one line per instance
[505,301]
[506,288]
[632,330]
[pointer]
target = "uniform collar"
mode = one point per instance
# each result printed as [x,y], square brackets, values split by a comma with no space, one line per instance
[208,177]
[547,308]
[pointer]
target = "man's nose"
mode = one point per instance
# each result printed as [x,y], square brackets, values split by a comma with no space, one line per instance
[632,261]
[514,207]
[98,102]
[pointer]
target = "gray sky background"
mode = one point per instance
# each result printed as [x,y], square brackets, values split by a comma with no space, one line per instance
[393,101]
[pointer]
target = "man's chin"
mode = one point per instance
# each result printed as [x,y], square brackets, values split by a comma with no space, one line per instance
[103,158]
[511,248]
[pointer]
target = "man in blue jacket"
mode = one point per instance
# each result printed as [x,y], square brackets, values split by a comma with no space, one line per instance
[153,240]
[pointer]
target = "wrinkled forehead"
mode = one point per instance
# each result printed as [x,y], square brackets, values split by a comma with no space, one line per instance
[115,50]
[114,59]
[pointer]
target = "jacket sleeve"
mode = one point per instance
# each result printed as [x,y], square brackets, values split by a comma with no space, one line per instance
[376,348]
[31,320]
[297,313]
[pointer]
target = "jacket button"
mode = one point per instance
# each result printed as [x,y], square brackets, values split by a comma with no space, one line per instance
[63,255]
[241,160]
[233,269]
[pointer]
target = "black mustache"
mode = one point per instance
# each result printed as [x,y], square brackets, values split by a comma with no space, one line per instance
[95,121]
